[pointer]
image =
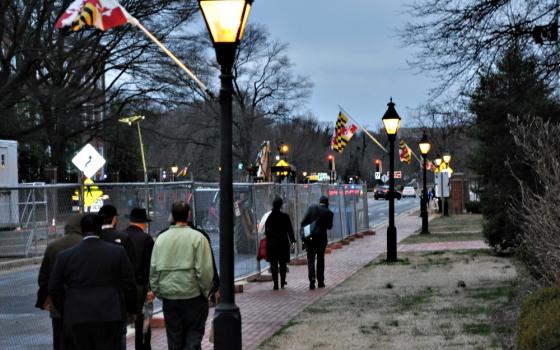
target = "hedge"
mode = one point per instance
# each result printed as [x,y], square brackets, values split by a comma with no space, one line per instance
[538,326]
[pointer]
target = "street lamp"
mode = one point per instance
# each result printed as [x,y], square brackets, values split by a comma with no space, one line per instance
[425,147]
[226,20]
[174,170]
[447,157]
[438,161]
[391,121]
[446,160]
[136,119]
[283,149]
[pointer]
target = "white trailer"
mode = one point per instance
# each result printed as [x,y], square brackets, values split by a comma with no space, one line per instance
[9,213]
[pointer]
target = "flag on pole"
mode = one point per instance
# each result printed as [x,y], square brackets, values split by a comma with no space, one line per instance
[405,154]
[343,132]
[101,14]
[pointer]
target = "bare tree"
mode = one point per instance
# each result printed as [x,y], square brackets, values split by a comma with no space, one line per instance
[538,213]
[459,39]
[75,77]
[447,127]
[265,87]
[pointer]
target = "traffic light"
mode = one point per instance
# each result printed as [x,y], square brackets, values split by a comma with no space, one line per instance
[378,165]
[331,162]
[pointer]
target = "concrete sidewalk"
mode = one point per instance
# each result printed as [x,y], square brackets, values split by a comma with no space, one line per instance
[264,311]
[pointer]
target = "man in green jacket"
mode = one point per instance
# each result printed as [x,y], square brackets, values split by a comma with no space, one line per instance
[181,273]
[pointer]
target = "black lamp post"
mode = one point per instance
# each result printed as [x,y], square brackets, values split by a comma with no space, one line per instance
[226,20]
[446,161]
[438,162]
[391,121]
[425,148]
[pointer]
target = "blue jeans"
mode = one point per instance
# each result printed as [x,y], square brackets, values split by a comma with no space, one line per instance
[185,320]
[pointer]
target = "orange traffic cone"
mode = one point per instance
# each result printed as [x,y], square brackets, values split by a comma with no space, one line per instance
[52,229]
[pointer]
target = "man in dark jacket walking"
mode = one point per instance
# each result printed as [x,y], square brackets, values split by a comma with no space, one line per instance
[72,236]
[92,284]
[321,218]
[279,238]
[143,246]
[109,220]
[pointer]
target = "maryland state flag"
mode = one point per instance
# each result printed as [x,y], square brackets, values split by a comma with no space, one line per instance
[101,14]
[343,132]
[405,153]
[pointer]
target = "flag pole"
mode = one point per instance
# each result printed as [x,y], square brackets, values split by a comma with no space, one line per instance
[361,127]
[137,24]
[415,156]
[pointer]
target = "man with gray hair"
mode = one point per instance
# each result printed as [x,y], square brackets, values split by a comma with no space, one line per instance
[181,273]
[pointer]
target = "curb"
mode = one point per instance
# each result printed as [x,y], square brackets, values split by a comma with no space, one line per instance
[14,264]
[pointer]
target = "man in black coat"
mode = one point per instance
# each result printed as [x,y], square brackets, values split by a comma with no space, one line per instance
[93,286]
[109,220]
[143,246]
[316,243]
[72,237]
[109,233]
[279,238]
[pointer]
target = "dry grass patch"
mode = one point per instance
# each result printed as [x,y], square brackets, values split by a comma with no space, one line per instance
[423,309]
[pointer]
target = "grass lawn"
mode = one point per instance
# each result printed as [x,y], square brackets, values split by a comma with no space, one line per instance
[450,229]
[427,300]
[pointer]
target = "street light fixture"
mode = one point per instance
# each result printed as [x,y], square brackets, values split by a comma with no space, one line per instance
[226,20]
[136,119]
[425,147]
[391,121]
[438,161]
[284,149]
[174,170]
[447,157]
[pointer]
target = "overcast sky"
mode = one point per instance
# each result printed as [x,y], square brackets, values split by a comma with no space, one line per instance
[350,51]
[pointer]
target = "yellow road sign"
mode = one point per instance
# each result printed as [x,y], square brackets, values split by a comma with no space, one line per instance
[91,193]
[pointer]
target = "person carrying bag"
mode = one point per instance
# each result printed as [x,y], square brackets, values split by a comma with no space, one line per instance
[317,220]
[279,235]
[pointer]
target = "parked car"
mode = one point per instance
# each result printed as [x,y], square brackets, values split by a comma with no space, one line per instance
[409,191]
[383,192]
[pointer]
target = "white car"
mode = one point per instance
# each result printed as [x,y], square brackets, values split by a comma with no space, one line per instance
[408,191]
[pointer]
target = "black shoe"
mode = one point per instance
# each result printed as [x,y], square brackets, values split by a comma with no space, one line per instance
[321,285]
[312,285]
[275,287]
[282,284]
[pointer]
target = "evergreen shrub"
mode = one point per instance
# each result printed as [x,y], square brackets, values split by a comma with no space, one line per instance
[473,207]
[538,326]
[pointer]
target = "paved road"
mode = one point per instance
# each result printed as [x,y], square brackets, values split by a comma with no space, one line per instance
[22,326]
[379,209]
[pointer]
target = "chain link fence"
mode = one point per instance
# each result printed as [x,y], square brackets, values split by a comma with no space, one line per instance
[33,215]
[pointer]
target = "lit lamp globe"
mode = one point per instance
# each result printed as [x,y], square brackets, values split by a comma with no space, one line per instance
[174,169]
[391,120]
[438,160]
[425,145]
[284,148]
[226,20]
[447,157]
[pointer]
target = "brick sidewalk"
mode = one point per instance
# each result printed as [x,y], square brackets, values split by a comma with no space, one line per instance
[264,311]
